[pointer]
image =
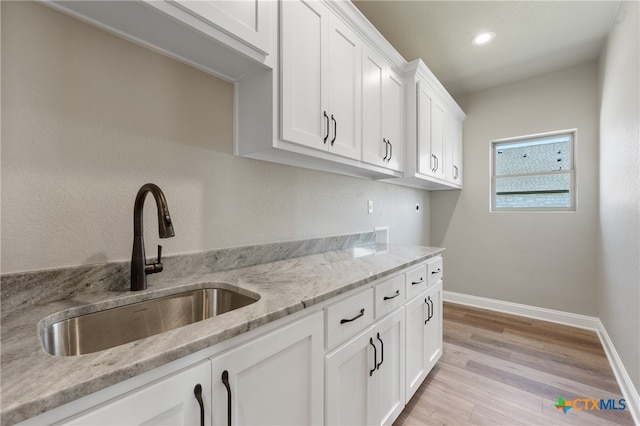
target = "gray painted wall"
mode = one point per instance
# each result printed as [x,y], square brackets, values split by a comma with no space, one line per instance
[540,259]
[87,118]
[619,238]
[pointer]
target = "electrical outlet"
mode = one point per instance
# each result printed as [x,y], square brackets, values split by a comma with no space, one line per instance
[370,206]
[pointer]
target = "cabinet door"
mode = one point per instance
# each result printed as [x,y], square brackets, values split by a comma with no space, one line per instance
[276,379]
[344,61]
[348,388]
[430,133]
[393,102]
[382,112]
[426,163]
[304,68]
[374,149]
[389,376]
[247,21]
[433,327]
[416,368]
[437,137]
[454,150]
[169,401]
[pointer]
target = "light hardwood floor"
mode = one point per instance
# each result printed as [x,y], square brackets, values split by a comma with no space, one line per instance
[500,369]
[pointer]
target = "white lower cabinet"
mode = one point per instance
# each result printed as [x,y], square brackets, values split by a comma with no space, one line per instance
[357,361]
[416,371]
[423,336]
[364,377]
[169,401]
[433,326]
[388,380]
[273,380]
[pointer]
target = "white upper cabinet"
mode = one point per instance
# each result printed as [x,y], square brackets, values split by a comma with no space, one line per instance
[430,132]
[433,149]
[393,121]
[320,78]
[225,38]
[246,21]
[437,138]
[382,112]
[316,85]
[344,86]
[453,144]
[303,66]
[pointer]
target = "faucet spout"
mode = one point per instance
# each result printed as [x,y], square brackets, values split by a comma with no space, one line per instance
[139,266]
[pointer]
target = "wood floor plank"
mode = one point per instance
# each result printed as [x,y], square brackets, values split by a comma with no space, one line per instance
[437,411]
[486,416]
[587,370]
[504,369]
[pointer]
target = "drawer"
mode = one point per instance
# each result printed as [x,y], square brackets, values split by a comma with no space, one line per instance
[416,280]
[389,295]
[348,316]
[434,270]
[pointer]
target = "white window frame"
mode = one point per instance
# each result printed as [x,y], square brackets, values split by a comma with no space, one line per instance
[572,133]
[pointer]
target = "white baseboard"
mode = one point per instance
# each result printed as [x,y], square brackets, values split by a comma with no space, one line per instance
[559,317]
[581,321]
[624,381]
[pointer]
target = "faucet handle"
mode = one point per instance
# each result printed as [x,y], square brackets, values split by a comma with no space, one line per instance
[153,267]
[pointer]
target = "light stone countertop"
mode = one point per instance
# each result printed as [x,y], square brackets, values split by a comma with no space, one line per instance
[34,382]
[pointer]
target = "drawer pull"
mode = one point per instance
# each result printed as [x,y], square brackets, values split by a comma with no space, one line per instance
[375,357]
[342,321]
[436,272]
[392,297]
[420,281]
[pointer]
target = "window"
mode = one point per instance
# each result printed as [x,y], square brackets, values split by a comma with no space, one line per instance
[534,173]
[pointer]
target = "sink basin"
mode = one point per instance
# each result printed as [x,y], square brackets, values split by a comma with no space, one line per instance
[116,326]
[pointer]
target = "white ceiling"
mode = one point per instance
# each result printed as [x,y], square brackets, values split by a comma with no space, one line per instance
[532,37]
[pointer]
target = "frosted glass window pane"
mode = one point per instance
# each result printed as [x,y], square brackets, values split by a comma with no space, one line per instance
[541,156]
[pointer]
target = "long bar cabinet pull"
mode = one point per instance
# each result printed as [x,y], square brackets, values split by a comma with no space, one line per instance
[390,150]
[225,381]
[375,357]
[428,311]
[386,149]
[432,309]
[326,117]
[197,391]
[381,351]
[342,321]
[335,129]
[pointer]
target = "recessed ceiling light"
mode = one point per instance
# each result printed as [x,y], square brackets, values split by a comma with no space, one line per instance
[483,38]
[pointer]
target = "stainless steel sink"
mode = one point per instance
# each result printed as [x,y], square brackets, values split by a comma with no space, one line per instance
[116,326]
